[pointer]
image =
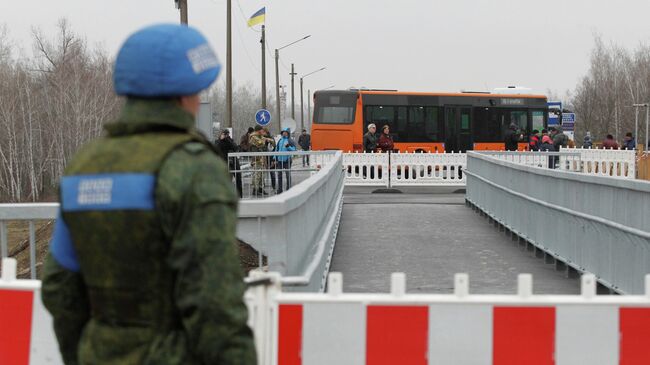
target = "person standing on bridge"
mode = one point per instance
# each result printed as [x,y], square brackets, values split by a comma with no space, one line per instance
[370,139]
[629,143]
[609,143]
[143,265]
[512,138]
[305,143]
[386,140]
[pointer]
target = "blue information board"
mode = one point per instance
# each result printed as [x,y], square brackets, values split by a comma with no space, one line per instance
[263,117]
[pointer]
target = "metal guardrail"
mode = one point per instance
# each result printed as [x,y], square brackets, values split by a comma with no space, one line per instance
[594,224]
[297,230]
[31,212]
[258,175]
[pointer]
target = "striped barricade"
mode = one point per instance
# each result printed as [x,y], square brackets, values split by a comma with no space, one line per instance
[26,334]
[459,329]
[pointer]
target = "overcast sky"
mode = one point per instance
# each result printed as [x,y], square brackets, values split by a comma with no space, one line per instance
[419,45]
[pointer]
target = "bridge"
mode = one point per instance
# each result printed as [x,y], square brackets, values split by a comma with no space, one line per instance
[434,266]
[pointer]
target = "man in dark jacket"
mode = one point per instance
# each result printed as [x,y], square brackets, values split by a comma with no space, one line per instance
[512,138]
[370,139]
[629,143]
[226,145]
[304,141]
[143,264]
[560,140]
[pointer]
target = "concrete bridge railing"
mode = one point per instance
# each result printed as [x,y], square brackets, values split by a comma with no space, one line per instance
[594,224]
[297,229]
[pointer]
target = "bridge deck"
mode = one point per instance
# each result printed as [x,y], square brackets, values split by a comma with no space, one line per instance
[431,237]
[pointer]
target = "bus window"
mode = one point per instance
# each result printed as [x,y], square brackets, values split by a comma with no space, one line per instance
[432,124]
[335,109]
[380,115]
[520,118]
[538,119]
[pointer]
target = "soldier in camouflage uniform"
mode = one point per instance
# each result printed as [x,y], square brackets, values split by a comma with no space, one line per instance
[143,262]
[258,142]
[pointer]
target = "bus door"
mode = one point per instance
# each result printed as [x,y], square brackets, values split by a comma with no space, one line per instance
[458,128]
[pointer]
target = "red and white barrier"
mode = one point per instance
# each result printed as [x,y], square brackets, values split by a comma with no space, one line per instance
[399,328]
[395,328]
[26,334]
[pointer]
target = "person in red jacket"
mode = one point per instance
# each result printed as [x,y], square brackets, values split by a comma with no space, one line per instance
[609,143]
[385,143]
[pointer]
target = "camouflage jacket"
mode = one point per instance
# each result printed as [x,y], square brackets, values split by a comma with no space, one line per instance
[196,205]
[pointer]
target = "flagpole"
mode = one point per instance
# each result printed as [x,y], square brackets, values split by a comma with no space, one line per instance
[229,67]
[263,41]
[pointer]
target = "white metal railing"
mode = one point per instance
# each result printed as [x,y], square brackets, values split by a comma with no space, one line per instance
[593,224]
[606,162]
[441,169]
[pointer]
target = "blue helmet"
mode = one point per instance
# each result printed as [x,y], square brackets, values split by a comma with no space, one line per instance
[165,60]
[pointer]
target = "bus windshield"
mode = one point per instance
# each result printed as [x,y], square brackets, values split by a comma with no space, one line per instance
[335,107]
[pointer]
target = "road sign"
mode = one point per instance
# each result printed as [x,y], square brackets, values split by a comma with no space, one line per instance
[263,117]
[568,121]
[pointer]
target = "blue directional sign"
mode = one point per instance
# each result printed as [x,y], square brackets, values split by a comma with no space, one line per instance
[263,117]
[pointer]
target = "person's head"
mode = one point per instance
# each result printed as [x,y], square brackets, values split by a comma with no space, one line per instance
[250,130]
[166,61]
[285,132]
[385,129]
[513,126]
[259,130]
[544,131]
[372,128]
[628,135]
[535,132]
[266,131]
[547,139]
[553,130]
[609,136]
[304,131]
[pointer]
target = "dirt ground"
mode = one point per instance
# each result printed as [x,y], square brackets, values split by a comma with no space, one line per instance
[18,240]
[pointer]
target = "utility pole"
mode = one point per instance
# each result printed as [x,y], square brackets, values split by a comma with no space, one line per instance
[309,118]
[277,89]
[263,41]
[228,65]
[182,6]
[293,101]
[302,108]
[302,122]
[277,76]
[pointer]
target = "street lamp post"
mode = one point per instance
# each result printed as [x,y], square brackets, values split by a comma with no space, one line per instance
[636,122]
[302,117]
[277,77]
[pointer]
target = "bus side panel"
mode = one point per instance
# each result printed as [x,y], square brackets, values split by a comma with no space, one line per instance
[497,146]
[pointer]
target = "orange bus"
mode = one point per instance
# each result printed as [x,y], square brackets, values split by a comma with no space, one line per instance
[424,122]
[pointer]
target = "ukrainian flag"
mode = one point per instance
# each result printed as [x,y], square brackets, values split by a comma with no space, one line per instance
[257,18]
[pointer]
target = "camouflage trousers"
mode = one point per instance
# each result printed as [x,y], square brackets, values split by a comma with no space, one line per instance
[258,176]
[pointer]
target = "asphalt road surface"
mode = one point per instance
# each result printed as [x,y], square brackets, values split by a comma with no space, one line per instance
[430,237]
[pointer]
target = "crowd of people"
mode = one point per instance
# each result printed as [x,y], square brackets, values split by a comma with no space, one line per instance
[259,139]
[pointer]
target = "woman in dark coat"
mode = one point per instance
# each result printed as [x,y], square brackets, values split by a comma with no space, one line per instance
[385,140]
